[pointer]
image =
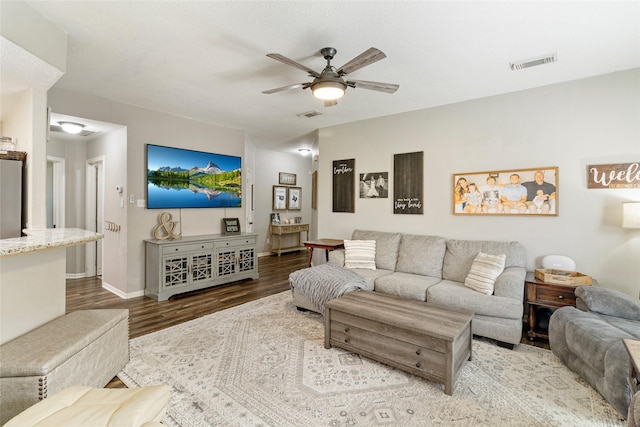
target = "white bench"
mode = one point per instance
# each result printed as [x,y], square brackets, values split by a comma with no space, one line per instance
[87,347]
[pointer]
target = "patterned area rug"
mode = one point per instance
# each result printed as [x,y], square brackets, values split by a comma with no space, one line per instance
[264,364]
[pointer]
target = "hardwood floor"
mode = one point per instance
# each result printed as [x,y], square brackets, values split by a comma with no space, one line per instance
[147,315]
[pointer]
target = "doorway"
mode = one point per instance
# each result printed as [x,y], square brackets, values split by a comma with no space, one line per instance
[94,214]
[55,192]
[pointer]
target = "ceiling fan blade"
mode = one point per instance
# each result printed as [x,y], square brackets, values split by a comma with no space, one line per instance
[293,63]
[380,87]
[367,57]
[283,88]
[330,102]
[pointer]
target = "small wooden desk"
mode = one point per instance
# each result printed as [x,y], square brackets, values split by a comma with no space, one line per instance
[326,244]
[280,229]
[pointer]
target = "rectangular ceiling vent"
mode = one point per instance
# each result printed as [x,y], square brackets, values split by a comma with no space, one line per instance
[309,114]
[533,62]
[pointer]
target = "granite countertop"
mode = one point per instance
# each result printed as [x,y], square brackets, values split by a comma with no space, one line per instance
[46,238]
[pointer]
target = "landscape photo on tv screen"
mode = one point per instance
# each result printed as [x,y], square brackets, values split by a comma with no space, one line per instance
[180,178]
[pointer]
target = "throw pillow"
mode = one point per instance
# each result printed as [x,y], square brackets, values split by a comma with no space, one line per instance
[484,271]
[360,254]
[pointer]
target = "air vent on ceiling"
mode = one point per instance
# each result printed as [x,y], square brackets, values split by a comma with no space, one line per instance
[309,114]
[83,132]
[533,62]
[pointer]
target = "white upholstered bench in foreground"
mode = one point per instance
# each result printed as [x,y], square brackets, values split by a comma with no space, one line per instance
[86,347]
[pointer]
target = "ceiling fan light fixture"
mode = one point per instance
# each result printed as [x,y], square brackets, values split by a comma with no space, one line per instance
[328,90]
[71,127]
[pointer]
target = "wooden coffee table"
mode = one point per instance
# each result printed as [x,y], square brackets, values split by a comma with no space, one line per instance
[415,336]
[326,244]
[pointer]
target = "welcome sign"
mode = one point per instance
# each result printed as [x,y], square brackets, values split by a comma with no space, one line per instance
[617,175]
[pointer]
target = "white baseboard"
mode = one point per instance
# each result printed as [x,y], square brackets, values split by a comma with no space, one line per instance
[75,275]
[118,292]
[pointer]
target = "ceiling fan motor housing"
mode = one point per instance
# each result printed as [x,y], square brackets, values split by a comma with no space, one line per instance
[328,53]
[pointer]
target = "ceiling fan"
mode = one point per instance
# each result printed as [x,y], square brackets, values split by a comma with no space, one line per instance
[329,85]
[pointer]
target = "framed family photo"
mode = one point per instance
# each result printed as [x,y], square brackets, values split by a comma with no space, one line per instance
[532,192]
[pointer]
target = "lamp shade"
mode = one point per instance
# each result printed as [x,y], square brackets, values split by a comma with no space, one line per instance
[631,215]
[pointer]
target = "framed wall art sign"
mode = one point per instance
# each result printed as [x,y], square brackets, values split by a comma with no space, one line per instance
[344,195]
[230,226]
[279,198]
[408,183]
[532,192]
[287,178]
[293,198]
[617,175]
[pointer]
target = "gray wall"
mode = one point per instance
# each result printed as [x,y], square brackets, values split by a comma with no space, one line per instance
[269,165]
[570,125]
[123,267]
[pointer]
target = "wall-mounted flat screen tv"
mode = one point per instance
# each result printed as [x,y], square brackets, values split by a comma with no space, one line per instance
[180,178]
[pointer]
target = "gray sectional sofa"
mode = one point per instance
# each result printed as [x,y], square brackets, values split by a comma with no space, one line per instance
[433,269]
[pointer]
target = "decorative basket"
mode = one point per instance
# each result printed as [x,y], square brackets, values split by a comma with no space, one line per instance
[563,277]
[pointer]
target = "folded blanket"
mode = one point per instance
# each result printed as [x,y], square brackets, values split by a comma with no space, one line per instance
[325,282]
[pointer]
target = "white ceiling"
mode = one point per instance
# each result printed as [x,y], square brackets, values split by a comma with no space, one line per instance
[206,59]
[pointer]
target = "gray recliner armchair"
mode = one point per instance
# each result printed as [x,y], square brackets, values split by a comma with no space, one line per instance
[588,339]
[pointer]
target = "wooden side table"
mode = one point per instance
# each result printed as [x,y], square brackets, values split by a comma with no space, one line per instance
[543,294]
[633,348]
[326,244]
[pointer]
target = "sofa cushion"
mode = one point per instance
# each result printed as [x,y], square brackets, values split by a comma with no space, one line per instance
[457,296]
[387,245]
[484,271]
[360,254]
[460,254]
[371,276]
[406,285]
[609,301]
[421,255]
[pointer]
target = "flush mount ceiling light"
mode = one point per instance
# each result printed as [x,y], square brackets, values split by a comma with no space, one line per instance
[71,127]
[304,151]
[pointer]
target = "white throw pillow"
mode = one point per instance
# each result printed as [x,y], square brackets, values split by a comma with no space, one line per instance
[484,271]
[360,254]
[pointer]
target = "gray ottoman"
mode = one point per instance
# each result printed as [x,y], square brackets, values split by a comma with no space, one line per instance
[87,347]
[312,287]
